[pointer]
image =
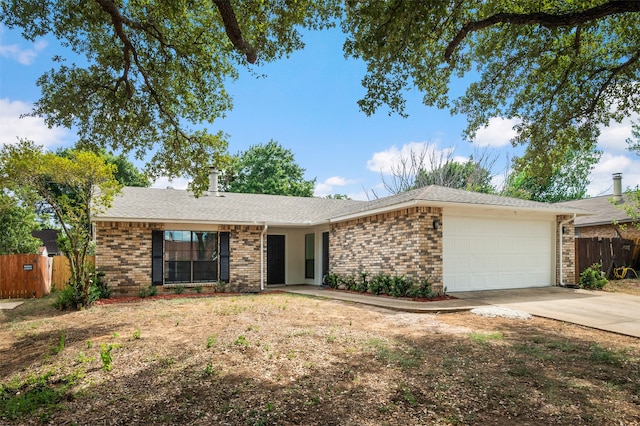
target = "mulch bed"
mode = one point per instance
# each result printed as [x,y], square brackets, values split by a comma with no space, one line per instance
[413,299]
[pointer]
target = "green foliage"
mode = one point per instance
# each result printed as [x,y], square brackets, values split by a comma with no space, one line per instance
[19,398]
[560,70]
[362,284]
[73,296]
[241,341]
[332,280]
[106,356]
[136,334]
[141,75]
[470,176]
[380,284]
[593,277]
[152,290]
[179,289]
[422,289]
[16,224]
[61,342]
[74,187]
[211,341]
[566,182]
[400,286]
[267,169]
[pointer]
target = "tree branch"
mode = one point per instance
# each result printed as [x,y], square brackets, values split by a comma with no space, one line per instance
[543,19]
[233,30]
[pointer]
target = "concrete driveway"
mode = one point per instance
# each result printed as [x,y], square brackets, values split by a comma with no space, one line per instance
[615,312]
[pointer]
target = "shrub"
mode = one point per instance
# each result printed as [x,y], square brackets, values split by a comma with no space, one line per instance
[400,286]
[349,282]
[593,277]
[380,284]
[422,289]
[332,280]
[148,292]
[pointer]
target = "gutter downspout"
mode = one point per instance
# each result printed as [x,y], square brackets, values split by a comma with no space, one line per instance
[564,222]
[262,234]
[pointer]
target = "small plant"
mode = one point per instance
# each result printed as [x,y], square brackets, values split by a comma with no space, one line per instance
[198,289]
[89,344]
[60,346]
[209,370]
[136,334]
[241,341]
[220,287]
[593,277]
[380,284]
[178,289]
[152,290]
[211,340]
[106,357]
[82,358]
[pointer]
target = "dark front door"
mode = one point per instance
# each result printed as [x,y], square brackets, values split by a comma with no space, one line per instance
[275,259]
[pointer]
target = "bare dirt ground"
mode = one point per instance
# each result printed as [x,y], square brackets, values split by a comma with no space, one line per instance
[290,360]
[629,286]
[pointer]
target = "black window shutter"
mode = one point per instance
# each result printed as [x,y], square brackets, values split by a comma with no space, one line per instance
[157,241]
[224,256]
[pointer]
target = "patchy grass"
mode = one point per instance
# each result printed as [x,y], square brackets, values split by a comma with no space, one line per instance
[247,360]
[628,286]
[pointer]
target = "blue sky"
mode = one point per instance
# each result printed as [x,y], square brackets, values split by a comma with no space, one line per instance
[308,104]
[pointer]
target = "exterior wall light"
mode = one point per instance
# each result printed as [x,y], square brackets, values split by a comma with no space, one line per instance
[436,224]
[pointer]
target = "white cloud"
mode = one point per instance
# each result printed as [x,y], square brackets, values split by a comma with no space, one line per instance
[498,133]
[175,183]
[615,136]
[24,56]
[325,188]
[385,161]
[32,128]
[601,177]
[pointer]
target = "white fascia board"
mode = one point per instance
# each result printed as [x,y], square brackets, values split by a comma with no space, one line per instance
[209,222]
[442,204]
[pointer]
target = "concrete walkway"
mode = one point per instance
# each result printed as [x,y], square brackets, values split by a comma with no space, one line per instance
[9,304]
[614,312]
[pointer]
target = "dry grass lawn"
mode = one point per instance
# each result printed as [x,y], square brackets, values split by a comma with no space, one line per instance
[289,360]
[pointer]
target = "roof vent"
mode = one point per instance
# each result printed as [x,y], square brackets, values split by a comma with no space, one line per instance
[213,181]
[617,187]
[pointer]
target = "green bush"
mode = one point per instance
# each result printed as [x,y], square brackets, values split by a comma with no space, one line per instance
[332,280]
[400,286]
[152,290]
[593,277]
[363,284]
[422,289]
[380,284]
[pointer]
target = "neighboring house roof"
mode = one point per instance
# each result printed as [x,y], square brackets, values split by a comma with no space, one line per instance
[181,206]
[604,211]
[49,238]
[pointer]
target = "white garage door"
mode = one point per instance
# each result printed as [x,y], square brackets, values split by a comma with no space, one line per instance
[491,253]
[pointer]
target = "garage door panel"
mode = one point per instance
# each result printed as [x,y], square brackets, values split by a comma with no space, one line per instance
[489,253]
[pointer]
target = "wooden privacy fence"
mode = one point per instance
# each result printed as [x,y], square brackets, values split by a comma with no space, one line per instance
[32,275]
[61,271]
[24,276]
[610,253]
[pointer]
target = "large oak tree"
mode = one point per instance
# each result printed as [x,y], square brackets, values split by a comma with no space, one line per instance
[152,70]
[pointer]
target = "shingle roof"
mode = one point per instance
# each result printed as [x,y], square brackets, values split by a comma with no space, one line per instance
[172,205]
[602,209]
